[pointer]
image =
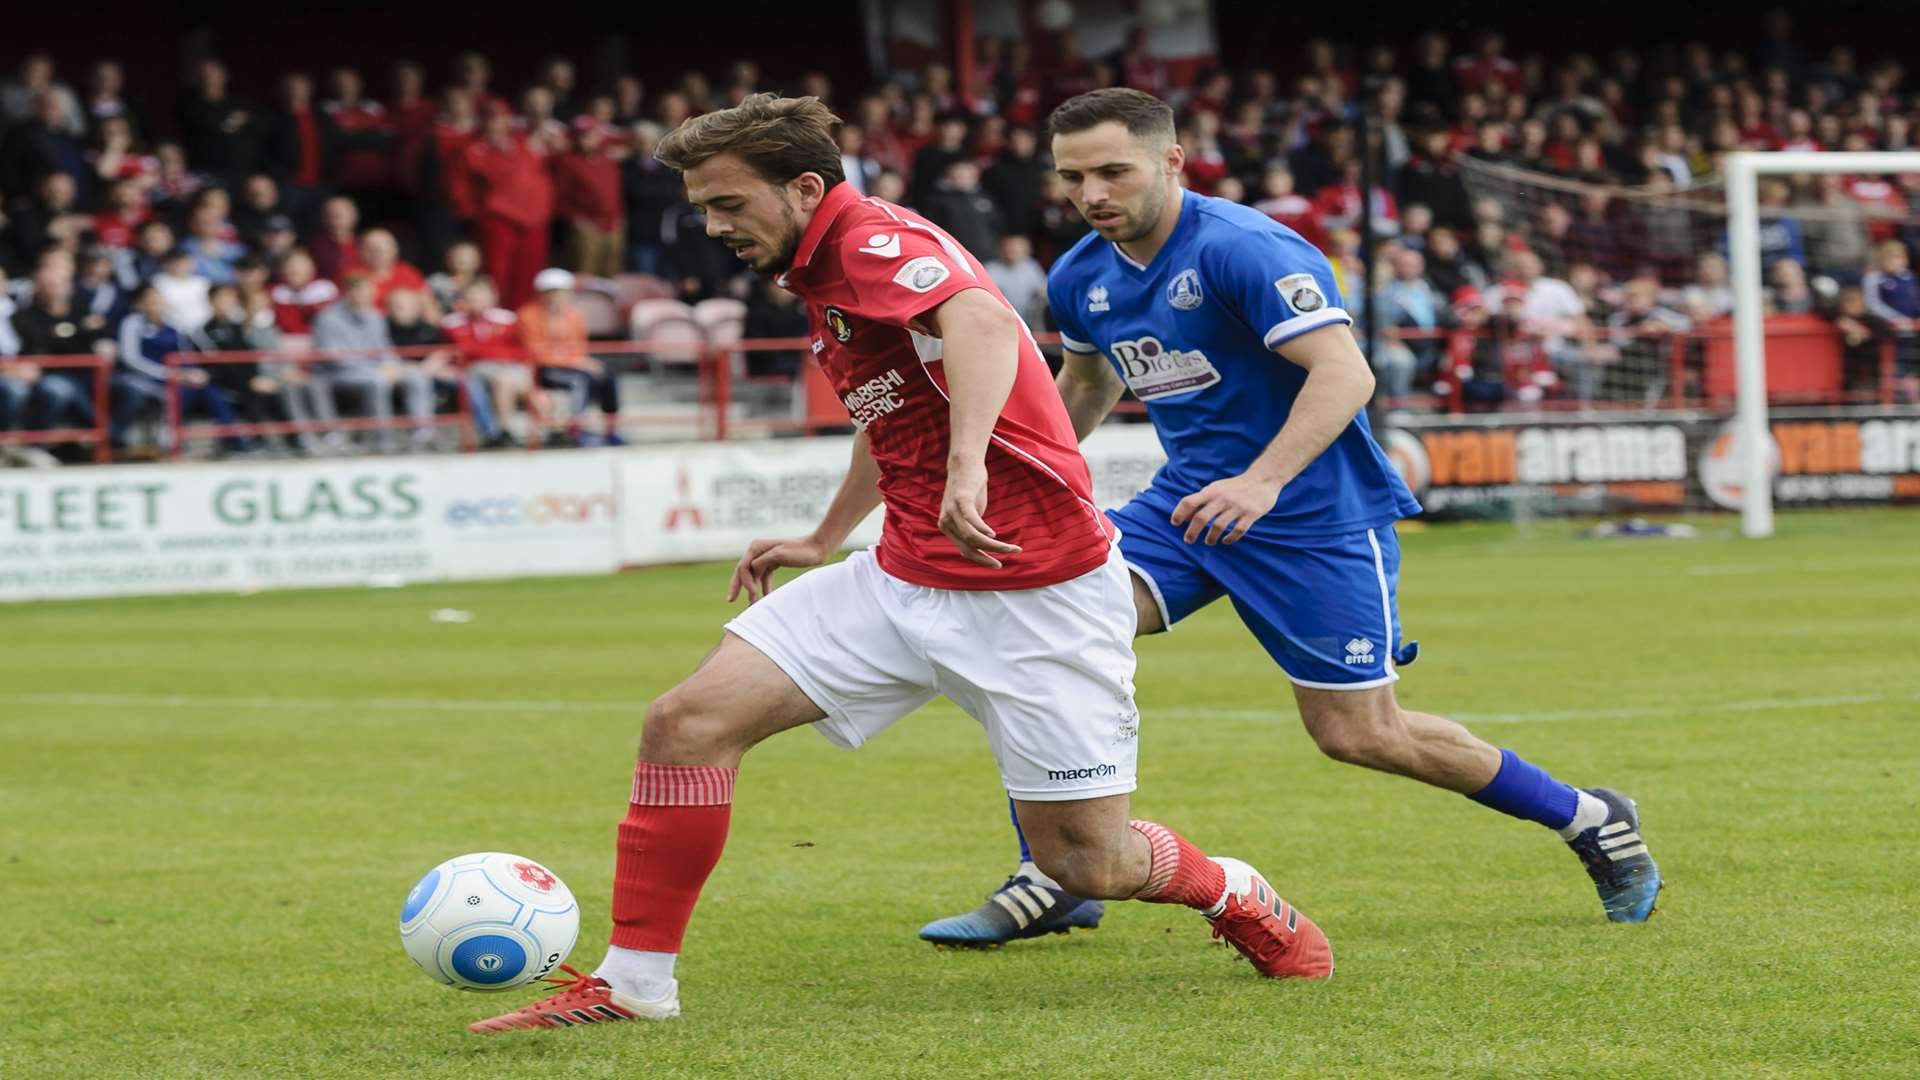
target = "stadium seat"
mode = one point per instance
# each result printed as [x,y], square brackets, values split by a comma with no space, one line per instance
[670,325]
[633,288]
[602,311]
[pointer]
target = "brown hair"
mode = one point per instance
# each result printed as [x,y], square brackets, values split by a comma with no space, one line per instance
[777,137]
[1143,115]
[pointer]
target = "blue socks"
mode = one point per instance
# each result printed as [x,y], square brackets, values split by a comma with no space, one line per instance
[1526,791]
[1025,855]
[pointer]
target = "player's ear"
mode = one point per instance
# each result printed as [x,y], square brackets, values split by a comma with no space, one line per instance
[809,188]
[1176,158]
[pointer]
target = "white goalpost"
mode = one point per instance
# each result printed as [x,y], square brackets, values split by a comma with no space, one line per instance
[1743,170]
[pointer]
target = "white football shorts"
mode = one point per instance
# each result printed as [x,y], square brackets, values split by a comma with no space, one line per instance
[1047,672]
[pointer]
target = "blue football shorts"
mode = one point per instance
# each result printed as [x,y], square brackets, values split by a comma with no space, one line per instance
[1324,609]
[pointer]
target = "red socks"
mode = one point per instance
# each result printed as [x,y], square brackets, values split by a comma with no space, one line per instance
[1179,873]
[669,843]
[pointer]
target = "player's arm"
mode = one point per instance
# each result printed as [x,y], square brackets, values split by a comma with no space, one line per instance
[859,493]
[1339,384]
[980,353]
[1090,388]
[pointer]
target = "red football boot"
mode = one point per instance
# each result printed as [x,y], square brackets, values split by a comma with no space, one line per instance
[1281,942]
[586,1000]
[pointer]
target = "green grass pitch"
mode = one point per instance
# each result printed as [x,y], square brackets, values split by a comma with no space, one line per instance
[211,807]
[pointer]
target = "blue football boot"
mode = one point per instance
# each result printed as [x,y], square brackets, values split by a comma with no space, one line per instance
[1618,861]
[1018,909]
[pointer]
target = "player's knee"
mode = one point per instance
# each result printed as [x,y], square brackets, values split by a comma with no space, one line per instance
[678,731]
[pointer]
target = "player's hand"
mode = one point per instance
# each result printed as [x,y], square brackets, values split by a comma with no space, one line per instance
[1229,506]
[963,509]
[753,574]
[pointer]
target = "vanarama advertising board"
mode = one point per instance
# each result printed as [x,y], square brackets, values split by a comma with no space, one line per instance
[1598,462]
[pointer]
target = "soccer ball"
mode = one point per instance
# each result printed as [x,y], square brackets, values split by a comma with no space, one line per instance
[489,921]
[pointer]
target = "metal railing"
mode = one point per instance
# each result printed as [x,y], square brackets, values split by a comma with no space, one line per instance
[1691,361]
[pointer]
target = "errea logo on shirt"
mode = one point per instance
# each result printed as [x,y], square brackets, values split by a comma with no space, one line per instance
[1097,298]
[1153,370]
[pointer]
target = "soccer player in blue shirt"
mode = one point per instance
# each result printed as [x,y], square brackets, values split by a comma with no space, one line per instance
[1229,328]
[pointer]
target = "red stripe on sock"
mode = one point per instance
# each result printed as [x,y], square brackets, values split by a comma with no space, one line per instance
[1179,873]
[674,831]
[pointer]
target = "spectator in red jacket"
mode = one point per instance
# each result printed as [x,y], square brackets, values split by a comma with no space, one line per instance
[511,194]
[488,338]
[300,293]
[335,251]
[125,211]
[586,182]
[380,260]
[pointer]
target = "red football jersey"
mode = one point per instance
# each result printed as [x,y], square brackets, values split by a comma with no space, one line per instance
[868,270]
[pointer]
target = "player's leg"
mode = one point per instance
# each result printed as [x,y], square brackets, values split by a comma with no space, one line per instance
[1065,733]
[1327,612]
[1098,850]
[1163,573]
[822,649]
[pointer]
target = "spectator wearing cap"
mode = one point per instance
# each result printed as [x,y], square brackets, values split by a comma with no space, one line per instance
[380,260]
[511,194]
[586,182]
[554,330]
[361,364]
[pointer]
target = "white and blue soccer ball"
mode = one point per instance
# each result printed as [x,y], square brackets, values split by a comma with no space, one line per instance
[489,921]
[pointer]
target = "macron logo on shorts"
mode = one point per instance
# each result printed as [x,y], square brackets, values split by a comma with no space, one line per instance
[1094,773]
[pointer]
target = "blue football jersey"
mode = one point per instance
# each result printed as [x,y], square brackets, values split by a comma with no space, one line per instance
[1193,335]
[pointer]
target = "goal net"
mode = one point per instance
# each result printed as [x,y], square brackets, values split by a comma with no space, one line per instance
[1603,349]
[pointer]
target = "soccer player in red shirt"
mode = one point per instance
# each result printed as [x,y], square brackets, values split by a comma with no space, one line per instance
[996,581]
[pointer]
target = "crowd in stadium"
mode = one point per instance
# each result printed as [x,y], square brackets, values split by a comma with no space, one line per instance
[460,223]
